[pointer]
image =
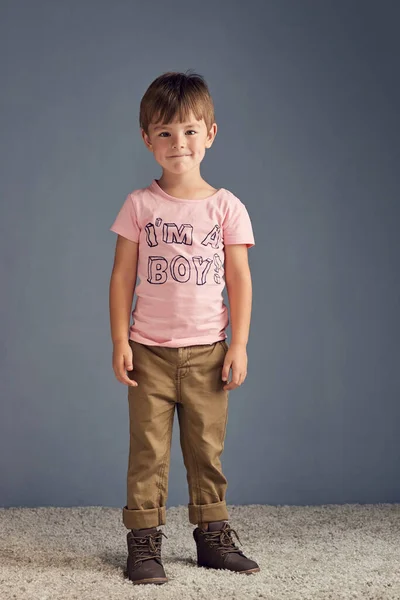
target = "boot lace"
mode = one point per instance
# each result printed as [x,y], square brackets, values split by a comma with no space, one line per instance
[147,547]
[222,539]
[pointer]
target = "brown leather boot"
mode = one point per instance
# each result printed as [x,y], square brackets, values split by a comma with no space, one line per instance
[216,549]
[144,558]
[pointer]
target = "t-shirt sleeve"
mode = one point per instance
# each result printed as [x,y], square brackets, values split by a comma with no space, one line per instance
[237,227]
[126,223]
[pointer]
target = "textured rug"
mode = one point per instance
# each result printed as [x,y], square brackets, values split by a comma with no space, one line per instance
[325,552]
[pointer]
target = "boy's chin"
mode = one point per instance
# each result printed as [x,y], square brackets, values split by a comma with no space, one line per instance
[178,168]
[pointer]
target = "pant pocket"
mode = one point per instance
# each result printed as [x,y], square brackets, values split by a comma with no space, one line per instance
[225,346]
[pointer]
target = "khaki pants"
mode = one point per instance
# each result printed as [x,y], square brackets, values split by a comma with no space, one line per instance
[188,378]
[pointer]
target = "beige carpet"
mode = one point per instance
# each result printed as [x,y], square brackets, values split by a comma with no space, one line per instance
[326,552]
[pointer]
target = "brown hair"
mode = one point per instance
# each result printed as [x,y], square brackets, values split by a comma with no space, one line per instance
[174,94]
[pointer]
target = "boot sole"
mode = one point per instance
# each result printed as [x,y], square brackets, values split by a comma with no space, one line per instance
[156,581]
[248,572]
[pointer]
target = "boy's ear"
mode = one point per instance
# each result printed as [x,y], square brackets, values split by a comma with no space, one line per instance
[211,135]
[146,139]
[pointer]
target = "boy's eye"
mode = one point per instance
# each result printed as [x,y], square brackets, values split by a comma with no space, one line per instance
[190,130]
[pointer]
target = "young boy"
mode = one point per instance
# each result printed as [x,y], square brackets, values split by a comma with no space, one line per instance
[184,239]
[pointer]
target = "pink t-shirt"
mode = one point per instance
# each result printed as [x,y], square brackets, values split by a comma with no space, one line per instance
[181,263]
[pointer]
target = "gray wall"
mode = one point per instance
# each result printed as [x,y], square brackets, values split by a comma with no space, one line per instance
[307,103]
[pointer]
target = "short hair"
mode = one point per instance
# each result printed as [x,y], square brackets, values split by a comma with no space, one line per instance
[176,94]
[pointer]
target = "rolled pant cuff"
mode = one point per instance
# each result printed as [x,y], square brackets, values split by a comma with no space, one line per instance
[143,518]
[205,513]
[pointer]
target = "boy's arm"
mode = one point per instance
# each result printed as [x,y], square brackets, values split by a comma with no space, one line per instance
[239,288]
[122,288]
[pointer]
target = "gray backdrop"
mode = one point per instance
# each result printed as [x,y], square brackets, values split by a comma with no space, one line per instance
[307,102]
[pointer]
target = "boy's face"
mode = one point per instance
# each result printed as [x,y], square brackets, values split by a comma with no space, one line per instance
[179,147]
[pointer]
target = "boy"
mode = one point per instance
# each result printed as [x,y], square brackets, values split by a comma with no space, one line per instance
[181,237]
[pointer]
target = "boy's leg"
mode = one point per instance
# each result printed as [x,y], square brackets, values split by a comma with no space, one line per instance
[203,412]
[151,416]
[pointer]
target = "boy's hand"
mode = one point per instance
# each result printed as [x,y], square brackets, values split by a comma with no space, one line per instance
[122,361]
[235,358]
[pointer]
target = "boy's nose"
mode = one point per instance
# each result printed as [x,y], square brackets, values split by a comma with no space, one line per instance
[178,139]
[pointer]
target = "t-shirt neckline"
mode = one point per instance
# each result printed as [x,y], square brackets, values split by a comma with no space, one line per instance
[158,189]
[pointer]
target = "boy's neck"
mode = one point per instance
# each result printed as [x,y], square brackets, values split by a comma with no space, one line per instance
[186,186]
[191,180]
